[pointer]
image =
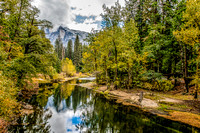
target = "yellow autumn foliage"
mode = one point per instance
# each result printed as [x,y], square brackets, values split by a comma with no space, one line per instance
[68,67]
[67,88]
[190,32]
[8,102]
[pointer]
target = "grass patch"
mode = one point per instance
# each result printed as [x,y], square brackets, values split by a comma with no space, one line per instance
[168,106]
[175,105]
[178,96]
[163,107]
[152,97]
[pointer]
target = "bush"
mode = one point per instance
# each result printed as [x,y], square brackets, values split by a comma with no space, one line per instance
[100,78]
[159,85]
[68,67]
[8,103]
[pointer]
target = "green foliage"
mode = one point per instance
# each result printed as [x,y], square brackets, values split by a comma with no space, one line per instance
[156,81]
[159,85]
[189,34]
[25,52]
[115,54]
[69,52]
[137,44]
[59,49]
[76,52]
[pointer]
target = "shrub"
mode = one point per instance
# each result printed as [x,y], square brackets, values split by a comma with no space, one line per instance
[68,67]
[8,103]
[159,85]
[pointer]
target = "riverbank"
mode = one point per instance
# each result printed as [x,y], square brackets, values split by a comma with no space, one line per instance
[61,77]
[171,105]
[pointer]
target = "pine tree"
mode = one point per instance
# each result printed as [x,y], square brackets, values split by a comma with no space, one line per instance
[76,51]
[69,50]
[59,48]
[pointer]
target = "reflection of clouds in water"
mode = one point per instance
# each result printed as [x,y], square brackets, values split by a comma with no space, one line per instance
[50,102]
[64,118]
[63,122]
[61,107]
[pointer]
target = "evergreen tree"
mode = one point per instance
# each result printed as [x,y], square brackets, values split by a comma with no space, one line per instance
[59,48]
[76,51]
[69,51]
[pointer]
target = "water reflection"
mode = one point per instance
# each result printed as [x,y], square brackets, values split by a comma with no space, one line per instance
[34,123]
[63,108]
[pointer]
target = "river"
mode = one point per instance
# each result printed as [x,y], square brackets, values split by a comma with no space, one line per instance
[67,108]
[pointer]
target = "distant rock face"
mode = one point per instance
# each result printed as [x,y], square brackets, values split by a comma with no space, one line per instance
[66,34]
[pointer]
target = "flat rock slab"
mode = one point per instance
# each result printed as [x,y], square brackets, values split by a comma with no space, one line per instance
[170,100]
[133,98]
[149,103]
[120,93]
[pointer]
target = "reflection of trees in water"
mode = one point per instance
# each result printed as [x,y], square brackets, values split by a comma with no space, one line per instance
[76,97]
[57,97]
[44,93]
[36,122]
[79,98]
[106,116]
[67,88]
[63,92]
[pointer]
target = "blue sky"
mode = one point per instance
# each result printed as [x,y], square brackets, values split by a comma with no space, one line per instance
[75,14]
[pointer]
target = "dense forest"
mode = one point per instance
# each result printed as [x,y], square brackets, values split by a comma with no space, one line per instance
[148,44]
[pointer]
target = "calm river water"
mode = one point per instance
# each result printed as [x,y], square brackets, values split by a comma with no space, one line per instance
[66,108]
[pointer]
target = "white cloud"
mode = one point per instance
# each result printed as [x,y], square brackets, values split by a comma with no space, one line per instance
[83,26]
[56,11]
[64,12]
[89,21]
[98,18]
[91,7]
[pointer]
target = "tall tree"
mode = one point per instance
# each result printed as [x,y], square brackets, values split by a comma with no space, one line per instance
[76,51]
[189,34]
[69,51]
[59,48]
[112,17]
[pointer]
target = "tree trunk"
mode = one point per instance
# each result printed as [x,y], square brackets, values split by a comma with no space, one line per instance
[116,63]
[95,66]
[196,85]
[186,70]
[158,66]
[95,59]
[106,73]
[18,20]
[129,77]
